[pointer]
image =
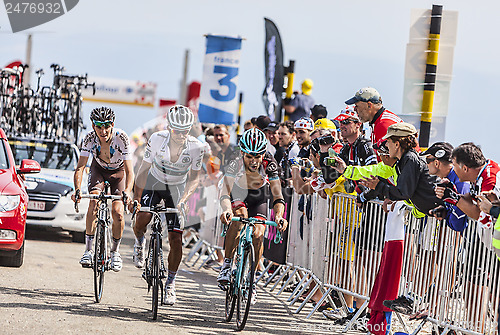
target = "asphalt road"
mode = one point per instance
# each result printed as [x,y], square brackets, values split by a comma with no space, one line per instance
[52,294]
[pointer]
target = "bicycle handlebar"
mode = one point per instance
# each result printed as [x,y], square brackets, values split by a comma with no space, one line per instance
[159,210]
[277,238]
[254,220]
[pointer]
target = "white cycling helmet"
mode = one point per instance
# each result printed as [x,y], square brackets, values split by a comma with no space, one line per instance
[180,118]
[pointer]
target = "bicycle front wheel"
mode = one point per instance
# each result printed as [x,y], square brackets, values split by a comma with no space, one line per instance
[99,265]
[155,275]
[245,287]
[230,301]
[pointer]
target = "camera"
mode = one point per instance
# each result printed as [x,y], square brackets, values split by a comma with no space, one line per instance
[326,140]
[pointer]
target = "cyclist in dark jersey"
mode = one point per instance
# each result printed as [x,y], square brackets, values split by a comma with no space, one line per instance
[248,182]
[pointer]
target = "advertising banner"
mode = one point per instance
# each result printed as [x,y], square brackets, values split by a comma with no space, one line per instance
[273,61]
[118,91]
[218,98]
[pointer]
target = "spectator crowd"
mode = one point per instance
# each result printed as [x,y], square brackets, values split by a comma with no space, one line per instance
[367,152]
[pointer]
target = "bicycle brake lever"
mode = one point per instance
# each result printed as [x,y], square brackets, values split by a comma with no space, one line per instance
[77,196]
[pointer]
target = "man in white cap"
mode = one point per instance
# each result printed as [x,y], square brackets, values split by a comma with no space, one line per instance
[368,105]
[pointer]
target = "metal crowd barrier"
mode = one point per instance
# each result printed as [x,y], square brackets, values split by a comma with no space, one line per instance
[338,247]
[453,276]
[210,230]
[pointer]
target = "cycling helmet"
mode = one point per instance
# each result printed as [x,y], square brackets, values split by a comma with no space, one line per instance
[304,123]
[253,141]
[180,118]
[102,114]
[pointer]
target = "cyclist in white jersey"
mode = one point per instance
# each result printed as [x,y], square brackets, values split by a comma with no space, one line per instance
[112,162]
[169,171]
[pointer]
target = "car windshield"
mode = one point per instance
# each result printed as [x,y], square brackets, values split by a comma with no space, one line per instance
[61,156]
[4,161]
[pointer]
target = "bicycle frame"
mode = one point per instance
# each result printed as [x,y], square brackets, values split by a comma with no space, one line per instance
[246,237]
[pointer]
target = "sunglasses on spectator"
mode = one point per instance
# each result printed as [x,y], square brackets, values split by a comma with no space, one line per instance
[100,125]
[430,159]
[347,121]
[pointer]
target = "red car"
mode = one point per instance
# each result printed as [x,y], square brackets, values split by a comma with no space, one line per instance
[13,204]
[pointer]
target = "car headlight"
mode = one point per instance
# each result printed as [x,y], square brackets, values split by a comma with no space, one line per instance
[9,202]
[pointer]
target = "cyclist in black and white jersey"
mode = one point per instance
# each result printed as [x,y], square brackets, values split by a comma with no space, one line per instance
[169,171]
[250,180]
[112,162]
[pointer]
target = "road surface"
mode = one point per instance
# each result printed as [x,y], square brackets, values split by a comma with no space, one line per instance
[52,294]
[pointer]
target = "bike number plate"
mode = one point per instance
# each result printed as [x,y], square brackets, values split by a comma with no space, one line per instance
[36,205]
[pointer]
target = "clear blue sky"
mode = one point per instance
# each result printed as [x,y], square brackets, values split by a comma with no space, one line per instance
[342,46]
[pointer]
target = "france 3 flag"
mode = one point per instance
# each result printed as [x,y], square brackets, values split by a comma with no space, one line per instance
[218,98]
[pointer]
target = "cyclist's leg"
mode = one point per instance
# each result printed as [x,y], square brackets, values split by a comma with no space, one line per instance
[95,184]
[116,181]
[233,231]
[171,198]
[150,197]
[258,210]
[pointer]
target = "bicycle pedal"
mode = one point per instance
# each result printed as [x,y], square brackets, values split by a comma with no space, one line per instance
[223,287]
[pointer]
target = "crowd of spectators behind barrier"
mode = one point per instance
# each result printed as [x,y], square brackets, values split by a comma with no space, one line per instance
[325,152]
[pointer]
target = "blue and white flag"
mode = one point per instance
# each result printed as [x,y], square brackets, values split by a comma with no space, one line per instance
[218,98]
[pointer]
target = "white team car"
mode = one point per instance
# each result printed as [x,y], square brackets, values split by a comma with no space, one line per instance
[50,191]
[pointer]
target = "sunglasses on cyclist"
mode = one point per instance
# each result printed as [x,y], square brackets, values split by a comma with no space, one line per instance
[99,124]
[180,132]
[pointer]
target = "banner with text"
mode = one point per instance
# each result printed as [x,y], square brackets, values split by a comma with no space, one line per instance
[118,91]
[218,98]
[275,72]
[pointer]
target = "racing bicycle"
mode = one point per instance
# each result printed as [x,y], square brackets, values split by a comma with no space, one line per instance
[241,286]
[154,270]
[102,239]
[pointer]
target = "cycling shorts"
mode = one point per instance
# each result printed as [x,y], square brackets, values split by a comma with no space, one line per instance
[155,191]
[255,201]
[98,175]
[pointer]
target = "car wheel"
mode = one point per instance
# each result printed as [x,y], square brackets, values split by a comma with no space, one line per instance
[78,236]
[15,260]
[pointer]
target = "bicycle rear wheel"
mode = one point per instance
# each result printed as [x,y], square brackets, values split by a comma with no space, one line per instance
[230,301]
[99,265]
[155,275]
[245,288]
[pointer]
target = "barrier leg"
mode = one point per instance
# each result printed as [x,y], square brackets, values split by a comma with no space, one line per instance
[200,254]
[290,278]
[309,296]
[415,332]
[304,278]
[210,256]
[273,275]
[281,277]
[302,290]
[264,272]
[323,298]
[356,316]
[403,323]
[193,251]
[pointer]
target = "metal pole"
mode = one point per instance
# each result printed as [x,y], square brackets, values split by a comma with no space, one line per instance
[290,73]
[27,72]
[240,111]
[430,75]
[182,98]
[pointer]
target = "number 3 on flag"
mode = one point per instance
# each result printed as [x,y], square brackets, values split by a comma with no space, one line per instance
[230,73]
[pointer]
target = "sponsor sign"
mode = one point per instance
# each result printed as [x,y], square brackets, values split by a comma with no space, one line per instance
[118,91]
